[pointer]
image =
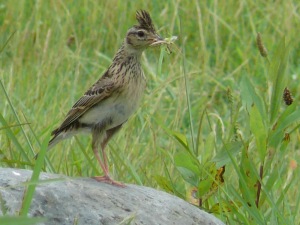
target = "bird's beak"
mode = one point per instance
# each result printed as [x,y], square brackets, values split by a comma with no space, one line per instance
[157,40]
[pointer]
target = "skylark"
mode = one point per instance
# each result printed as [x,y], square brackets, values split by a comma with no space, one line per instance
[108,104]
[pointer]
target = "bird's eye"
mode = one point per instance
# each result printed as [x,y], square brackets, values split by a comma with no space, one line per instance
[141,33]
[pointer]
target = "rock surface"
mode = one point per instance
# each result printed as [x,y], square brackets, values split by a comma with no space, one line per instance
[67,200]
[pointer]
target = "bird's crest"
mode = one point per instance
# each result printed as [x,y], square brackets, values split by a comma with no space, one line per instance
[145,21]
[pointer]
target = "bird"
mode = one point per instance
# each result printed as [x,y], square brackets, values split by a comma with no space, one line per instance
[111,100]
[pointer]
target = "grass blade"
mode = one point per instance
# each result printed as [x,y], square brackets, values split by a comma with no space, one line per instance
[30,189]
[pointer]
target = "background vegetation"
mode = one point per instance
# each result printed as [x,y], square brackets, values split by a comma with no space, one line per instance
[214,104]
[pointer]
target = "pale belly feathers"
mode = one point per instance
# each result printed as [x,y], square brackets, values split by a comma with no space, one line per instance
[116,109]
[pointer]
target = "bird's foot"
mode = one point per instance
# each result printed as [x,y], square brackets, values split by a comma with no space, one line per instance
[107,179]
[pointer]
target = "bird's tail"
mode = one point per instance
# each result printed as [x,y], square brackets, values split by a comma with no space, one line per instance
[59,135]
[54,140]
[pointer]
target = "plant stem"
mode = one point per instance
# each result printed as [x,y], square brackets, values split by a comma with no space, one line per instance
[261,171]
[187,89]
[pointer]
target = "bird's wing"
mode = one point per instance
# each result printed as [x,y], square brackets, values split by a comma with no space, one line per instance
[101,90]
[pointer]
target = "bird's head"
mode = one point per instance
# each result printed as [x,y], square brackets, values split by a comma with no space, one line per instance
[143,35]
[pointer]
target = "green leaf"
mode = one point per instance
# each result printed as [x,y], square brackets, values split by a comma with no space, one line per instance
[208,147]
[5,44]
[250,97]
[284,121]
[164,183]
[181,138]
[187,161]
[247,178]
[269,183]
[128,220]
[13,138]
[188,175]
[20,220]
[160,61]
[259,130]
[223,157]
[277,76]
[204,186]
[188,167]
[30,189]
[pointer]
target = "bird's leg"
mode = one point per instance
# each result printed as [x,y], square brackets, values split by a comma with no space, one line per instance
[104,157]
[106,178]
[109,134]
[96,153]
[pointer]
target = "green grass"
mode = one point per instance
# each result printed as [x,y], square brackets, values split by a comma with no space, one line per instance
[215,101]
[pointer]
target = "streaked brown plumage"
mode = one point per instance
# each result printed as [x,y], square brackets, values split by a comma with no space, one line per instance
[108,104]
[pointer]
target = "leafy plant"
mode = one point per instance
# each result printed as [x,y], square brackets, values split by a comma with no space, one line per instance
[254,151]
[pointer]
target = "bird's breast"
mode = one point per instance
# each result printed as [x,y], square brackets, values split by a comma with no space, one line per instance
[118,107]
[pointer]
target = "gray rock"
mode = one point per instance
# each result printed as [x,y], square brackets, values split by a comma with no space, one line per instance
[67,200]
